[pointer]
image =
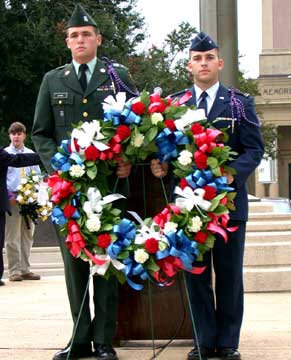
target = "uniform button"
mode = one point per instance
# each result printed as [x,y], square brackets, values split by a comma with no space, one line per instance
[60,102]
[84,101]
[85,114]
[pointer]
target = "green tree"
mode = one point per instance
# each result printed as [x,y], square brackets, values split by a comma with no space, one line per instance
[32,34]
[163,66]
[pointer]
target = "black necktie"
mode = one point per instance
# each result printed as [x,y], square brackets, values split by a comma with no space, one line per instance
[203,102]
[83,77]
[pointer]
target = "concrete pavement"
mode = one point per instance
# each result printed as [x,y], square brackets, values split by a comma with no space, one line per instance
[35,322]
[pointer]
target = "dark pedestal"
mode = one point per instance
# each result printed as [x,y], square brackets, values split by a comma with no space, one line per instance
[45,234]
[170,312]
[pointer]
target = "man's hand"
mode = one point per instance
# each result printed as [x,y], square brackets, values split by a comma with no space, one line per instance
[13,201]
[159,169]
[123,169]
[230,178]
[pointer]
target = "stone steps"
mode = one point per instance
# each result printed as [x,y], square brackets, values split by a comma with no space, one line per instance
[267,260]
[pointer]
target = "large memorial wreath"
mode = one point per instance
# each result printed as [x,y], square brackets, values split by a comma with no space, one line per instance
[131,248]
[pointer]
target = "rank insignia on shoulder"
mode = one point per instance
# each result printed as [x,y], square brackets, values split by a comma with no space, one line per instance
[238,92]
[119,65]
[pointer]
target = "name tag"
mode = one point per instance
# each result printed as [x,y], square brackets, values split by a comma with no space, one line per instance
[60,95]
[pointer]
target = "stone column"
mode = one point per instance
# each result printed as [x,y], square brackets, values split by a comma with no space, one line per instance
[218,18]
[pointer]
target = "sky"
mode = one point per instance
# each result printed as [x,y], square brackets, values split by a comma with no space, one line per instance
[162,16]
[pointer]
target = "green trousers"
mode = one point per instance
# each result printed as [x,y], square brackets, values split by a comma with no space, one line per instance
[99,324]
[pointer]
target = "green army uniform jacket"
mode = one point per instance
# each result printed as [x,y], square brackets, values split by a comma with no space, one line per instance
[62,103]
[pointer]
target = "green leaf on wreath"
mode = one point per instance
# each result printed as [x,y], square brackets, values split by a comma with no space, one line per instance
[152,266]
[150,135]
[119,274]
[77,186]
[145,98]
[124,255]
[212,162]
[231,206]
[89,163]
[92,172]
[216,171]
[221,209]
[231,195]
[210,241]
[106,227]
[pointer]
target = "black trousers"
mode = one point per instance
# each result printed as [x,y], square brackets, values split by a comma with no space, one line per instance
[218,311]
[2,236]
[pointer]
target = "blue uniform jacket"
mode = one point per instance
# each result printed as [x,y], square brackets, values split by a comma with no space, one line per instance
[244,138]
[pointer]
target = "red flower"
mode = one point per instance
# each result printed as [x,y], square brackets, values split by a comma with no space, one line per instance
[200,237]
[69,211]
[103,240]
[170,124]
[196,128]
[61,188]
[200,160]
[138,107]
[122,133]
[151,245]
[223,201]
[210,192]
[183,183]
[158,107]
[92,153]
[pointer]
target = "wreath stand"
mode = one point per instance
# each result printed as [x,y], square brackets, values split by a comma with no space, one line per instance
[181,323]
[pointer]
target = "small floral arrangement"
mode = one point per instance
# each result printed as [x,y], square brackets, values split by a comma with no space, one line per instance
[137,249]
[33,198]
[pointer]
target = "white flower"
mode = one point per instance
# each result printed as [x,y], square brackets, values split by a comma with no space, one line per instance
[137,140]
[185,157]
[170,227]
[19,198]
[44,212]
[93,223]
[156,117]
[23,181]
[35,178]
[30,200]
[195,224]
[27,192]
[77,171]
[141,256]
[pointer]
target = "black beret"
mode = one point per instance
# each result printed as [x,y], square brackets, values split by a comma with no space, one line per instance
[80,17]
[203,42]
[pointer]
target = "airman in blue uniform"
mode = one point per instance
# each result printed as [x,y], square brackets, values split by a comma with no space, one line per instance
[68,94]
[218,311]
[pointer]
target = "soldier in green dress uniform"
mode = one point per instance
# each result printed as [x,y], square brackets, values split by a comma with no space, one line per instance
[68,94]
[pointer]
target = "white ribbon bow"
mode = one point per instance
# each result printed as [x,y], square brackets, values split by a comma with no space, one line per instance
[88,134]
[190,198]
[95,201]
[101,269]
[145,232]
[189,118]
[110,104]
